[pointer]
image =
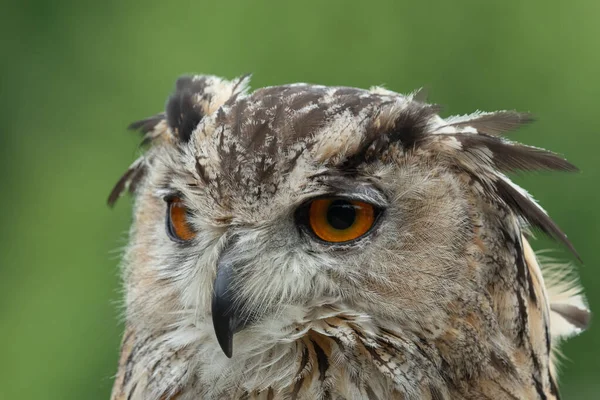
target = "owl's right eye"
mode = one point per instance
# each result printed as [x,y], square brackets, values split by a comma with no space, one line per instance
[178,226]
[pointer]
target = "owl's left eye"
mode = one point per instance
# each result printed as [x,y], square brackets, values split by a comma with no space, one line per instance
[338,220]
[178,226]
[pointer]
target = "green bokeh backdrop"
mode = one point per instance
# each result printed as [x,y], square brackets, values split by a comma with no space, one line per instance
[75,73]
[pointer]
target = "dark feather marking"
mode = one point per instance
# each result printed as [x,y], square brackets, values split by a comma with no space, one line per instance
[264,170]
[257,137]
[496,123]
[510,157]
[128,364]
[154,366]
[183,114]
[553,388]
[303,361]
[447,373]
[297,387]
[536,375]
[286,115]
[523,276]
[119,187]
[528,210]
[354,103]
[420,347]
[130,179]
[136,178]
[522,314]
[322,360]
[539,388]
[310,123]
[183,110]
[395,335]
[183,82]
[132,391]
[148,124]
[270,394]
[300,102]
[339,343]
[293,160]
[128,334]
[574,315]
[372,352]
[408,129]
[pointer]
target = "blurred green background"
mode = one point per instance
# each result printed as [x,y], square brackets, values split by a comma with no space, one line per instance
[75,73]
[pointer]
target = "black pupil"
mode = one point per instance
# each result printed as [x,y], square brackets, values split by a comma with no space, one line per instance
[341,214]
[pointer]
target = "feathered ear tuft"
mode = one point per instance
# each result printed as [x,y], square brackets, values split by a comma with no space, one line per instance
[507,156]
[195,97]
[129,181]
[147,125]
[152,127]
[489,123]
[184,111]
[467,143]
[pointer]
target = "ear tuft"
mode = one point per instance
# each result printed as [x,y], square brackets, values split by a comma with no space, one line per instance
[489,123]
[129,181]
[508,156]
[198,96]
[183,108]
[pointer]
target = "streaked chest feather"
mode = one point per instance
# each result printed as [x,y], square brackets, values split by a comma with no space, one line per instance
[344,355]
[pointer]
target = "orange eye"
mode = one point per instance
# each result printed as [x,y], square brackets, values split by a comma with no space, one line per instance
[338,220]
[178,227]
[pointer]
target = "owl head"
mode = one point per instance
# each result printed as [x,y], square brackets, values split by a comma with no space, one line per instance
[259,216]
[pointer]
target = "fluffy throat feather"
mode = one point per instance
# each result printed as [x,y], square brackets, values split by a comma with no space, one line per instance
[333,350]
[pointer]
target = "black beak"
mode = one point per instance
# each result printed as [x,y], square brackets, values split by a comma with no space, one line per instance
[226,312]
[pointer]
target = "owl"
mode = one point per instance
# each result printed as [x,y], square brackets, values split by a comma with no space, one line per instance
[312,242]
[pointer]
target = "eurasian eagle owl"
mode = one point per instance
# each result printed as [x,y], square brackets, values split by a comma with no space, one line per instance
[313,242]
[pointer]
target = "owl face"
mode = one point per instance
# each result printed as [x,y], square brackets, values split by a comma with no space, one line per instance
[259,216]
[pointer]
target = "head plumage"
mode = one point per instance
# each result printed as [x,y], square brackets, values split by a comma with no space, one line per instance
[471,143]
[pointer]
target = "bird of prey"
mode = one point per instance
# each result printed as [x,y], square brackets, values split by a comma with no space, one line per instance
[312,242]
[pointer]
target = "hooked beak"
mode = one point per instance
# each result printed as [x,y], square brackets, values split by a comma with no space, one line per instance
[226,312]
